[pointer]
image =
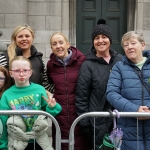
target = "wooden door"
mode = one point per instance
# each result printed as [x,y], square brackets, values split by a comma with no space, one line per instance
[89,11]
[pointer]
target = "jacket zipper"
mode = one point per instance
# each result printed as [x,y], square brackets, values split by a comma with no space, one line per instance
[66,95]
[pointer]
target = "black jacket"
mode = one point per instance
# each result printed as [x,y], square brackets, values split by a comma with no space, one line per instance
[39,75]
[90,92]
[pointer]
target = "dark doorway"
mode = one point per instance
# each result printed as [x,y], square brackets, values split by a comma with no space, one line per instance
[87,14]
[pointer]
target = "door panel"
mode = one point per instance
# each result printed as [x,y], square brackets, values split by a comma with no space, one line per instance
[89,11]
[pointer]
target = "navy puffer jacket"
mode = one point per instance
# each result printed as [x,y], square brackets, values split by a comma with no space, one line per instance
[127,93]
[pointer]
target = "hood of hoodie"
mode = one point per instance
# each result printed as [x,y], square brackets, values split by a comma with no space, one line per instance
[75,55]
[34,52]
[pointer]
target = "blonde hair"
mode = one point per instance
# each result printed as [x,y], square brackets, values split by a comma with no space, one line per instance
[13,45]
[58,33]
[19,58]
[132,34]
[7,80]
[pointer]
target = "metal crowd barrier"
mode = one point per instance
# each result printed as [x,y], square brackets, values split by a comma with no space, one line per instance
[36,112]
[101,114]
[71,134]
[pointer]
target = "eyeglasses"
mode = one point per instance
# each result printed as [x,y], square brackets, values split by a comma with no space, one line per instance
[2,79]
[18,72]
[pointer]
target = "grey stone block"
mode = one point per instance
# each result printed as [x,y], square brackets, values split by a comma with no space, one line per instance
[146,34]
[44,8]
[6,34]
[2,21]
[13,6]
[146,9]
[42,36]
[56,1]
[53,22]
[48,50]
[36,0]
[13,20]
[37,22]
[146,23]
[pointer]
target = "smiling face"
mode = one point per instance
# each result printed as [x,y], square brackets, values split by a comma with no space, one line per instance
[21,79]
[59,45]
[24,39]
[133,49]
[101,44]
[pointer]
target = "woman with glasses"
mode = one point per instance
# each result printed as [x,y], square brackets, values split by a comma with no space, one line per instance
[22,45]
[26,95]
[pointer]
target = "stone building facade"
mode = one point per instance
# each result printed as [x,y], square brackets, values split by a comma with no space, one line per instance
[49,16]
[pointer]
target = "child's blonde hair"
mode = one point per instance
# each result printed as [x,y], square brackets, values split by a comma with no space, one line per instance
[132,34]
[13,45]
[19,58]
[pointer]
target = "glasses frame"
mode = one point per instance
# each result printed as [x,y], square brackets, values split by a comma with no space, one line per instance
[21,71]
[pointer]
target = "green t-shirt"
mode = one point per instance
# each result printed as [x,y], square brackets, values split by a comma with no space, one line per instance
[25,98]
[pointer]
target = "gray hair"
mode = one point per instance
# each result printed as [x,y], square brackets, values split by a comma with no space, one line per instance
[132,34]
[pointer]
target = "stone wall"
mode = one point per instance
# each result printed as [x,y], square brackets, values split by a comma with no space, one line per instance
[49,16]
[142,20]
[44,16]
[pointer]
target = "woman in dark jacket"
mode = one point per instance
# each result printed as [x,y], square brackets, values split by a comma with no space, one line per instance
[92,82]
[22,45]
[128,93]
[62,70]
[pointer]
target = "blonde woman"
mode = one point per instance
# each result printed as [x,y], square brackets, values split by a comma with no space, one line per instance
[22,45]
[63,68]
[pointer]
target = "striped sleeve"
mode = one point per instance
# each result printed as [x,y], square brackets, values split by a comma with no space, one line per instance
[3,60]
[46,83]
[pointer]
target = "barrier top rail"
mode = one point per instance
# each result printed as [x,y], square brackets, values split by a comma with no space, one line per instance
[36,112]
[101,114]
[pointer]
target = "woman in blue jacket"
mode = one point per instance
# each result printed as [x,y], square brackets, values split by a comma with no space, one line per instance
[127,93]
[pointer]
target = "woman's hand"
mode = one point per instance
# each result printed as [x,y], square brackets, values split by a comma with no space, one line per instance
[143,109]
[50,101]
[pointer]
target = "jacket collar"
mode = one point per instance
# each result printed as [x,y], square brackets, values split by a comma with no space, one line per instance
[146,53]
[66,60]
[34,51]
